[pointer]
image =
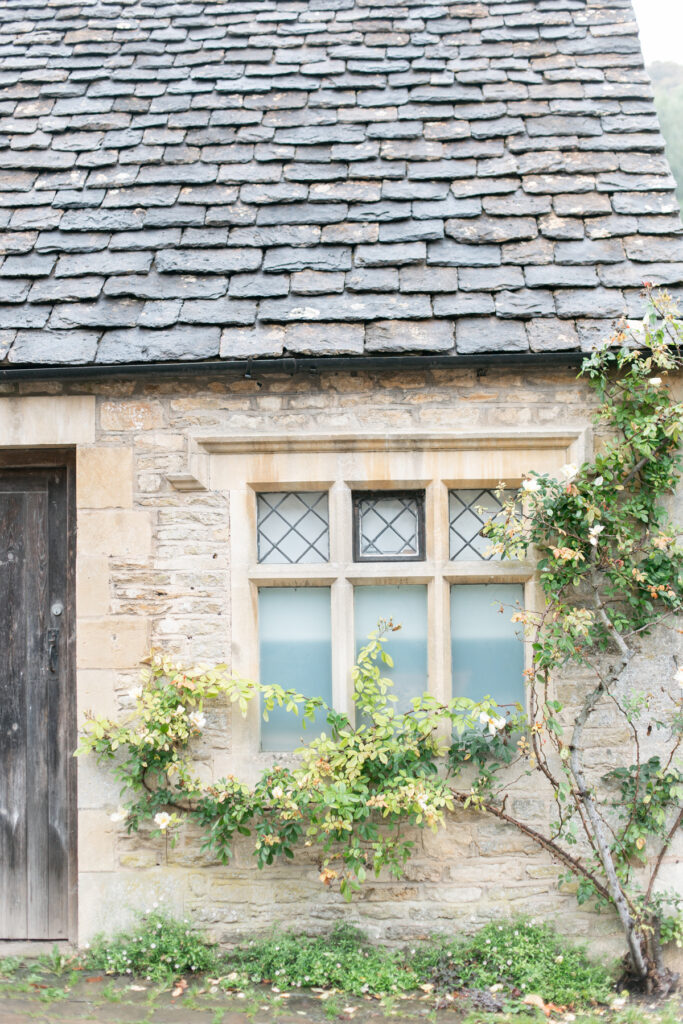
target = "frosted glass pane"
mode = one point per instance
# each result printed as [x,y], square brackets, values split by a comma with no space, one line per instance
[487,648]
[293,526]
[408,647]
[389,526]
[465,521]
[295,653]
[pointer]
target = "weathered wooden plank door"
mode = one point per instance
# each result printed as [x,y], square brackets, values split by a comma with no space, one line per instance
[36,712]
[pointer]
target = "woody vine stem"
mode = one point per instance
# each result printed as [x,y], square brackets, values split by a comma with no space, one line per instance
[611,571]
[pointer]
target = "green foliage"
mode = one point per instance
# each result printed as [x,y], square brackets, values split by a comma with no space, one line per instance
[523,957]
[354,788]
[520,956]
[343,960]
[159,949]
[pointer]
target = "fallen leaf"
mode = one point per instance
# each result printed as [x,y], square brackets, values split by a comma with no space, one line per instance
[180,987]
[137,988]
[534,1000]
[99,977]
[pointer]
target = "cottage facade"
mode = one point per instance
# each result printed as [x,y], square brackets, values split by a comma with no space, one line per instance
[261,262]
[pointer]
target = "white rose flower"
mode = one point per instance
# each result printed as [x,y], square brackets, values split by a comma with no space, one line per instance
[594,534]
[119,815]
[531,484]
[493,722]
[135,693]
[598,482]
[278,792]
[197,720]
[569,470]
[655,381]
[162,820]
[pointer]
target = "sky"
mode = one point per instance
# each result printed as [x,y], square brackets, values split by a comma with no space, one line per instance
[661,29]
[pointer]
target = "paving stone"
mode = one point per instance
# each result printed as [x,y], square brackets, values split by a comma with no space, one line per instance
[409,336]
[54,347]
[143,345]
[489,334]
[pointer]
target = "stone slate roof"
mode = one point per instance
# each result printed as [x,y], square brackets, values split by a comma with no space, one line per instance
[234,178]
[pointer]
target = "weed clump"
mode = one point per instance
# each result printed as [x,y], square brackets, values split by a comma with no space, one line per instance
[159,948]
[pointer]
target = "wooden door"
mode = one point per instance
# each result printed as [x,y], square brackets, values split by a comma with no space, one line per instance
[36,705]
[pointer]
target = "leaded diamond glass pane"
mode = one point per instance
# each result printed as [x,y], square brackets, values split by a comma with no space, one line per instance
[389,526]
[468,510]
[293,526]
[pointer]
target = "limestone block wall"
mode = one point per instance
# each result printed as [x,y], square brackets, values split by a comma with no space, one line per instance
[153,568]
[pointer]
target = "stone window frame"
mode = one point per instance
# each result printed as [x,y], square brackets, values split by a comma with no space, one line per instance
[241,466]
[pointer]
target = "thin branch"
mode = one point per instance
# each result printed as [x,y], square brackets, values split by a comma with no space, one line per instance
[548,845]
[665,846]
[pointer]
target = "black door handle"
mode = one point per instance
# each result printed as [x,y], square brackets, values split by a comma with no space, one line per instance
[52,649]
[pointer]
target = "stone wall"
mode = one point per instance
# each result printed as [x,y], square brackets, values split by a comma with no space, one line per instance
[153,569]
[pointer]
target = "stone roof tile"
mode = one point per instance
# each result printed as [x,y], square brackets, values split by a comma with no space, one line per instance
[245,179]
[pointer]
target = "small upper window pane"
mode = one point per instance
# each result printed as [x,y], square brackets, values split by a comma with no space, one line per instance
[468,511]
[388,526]
[293,526]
